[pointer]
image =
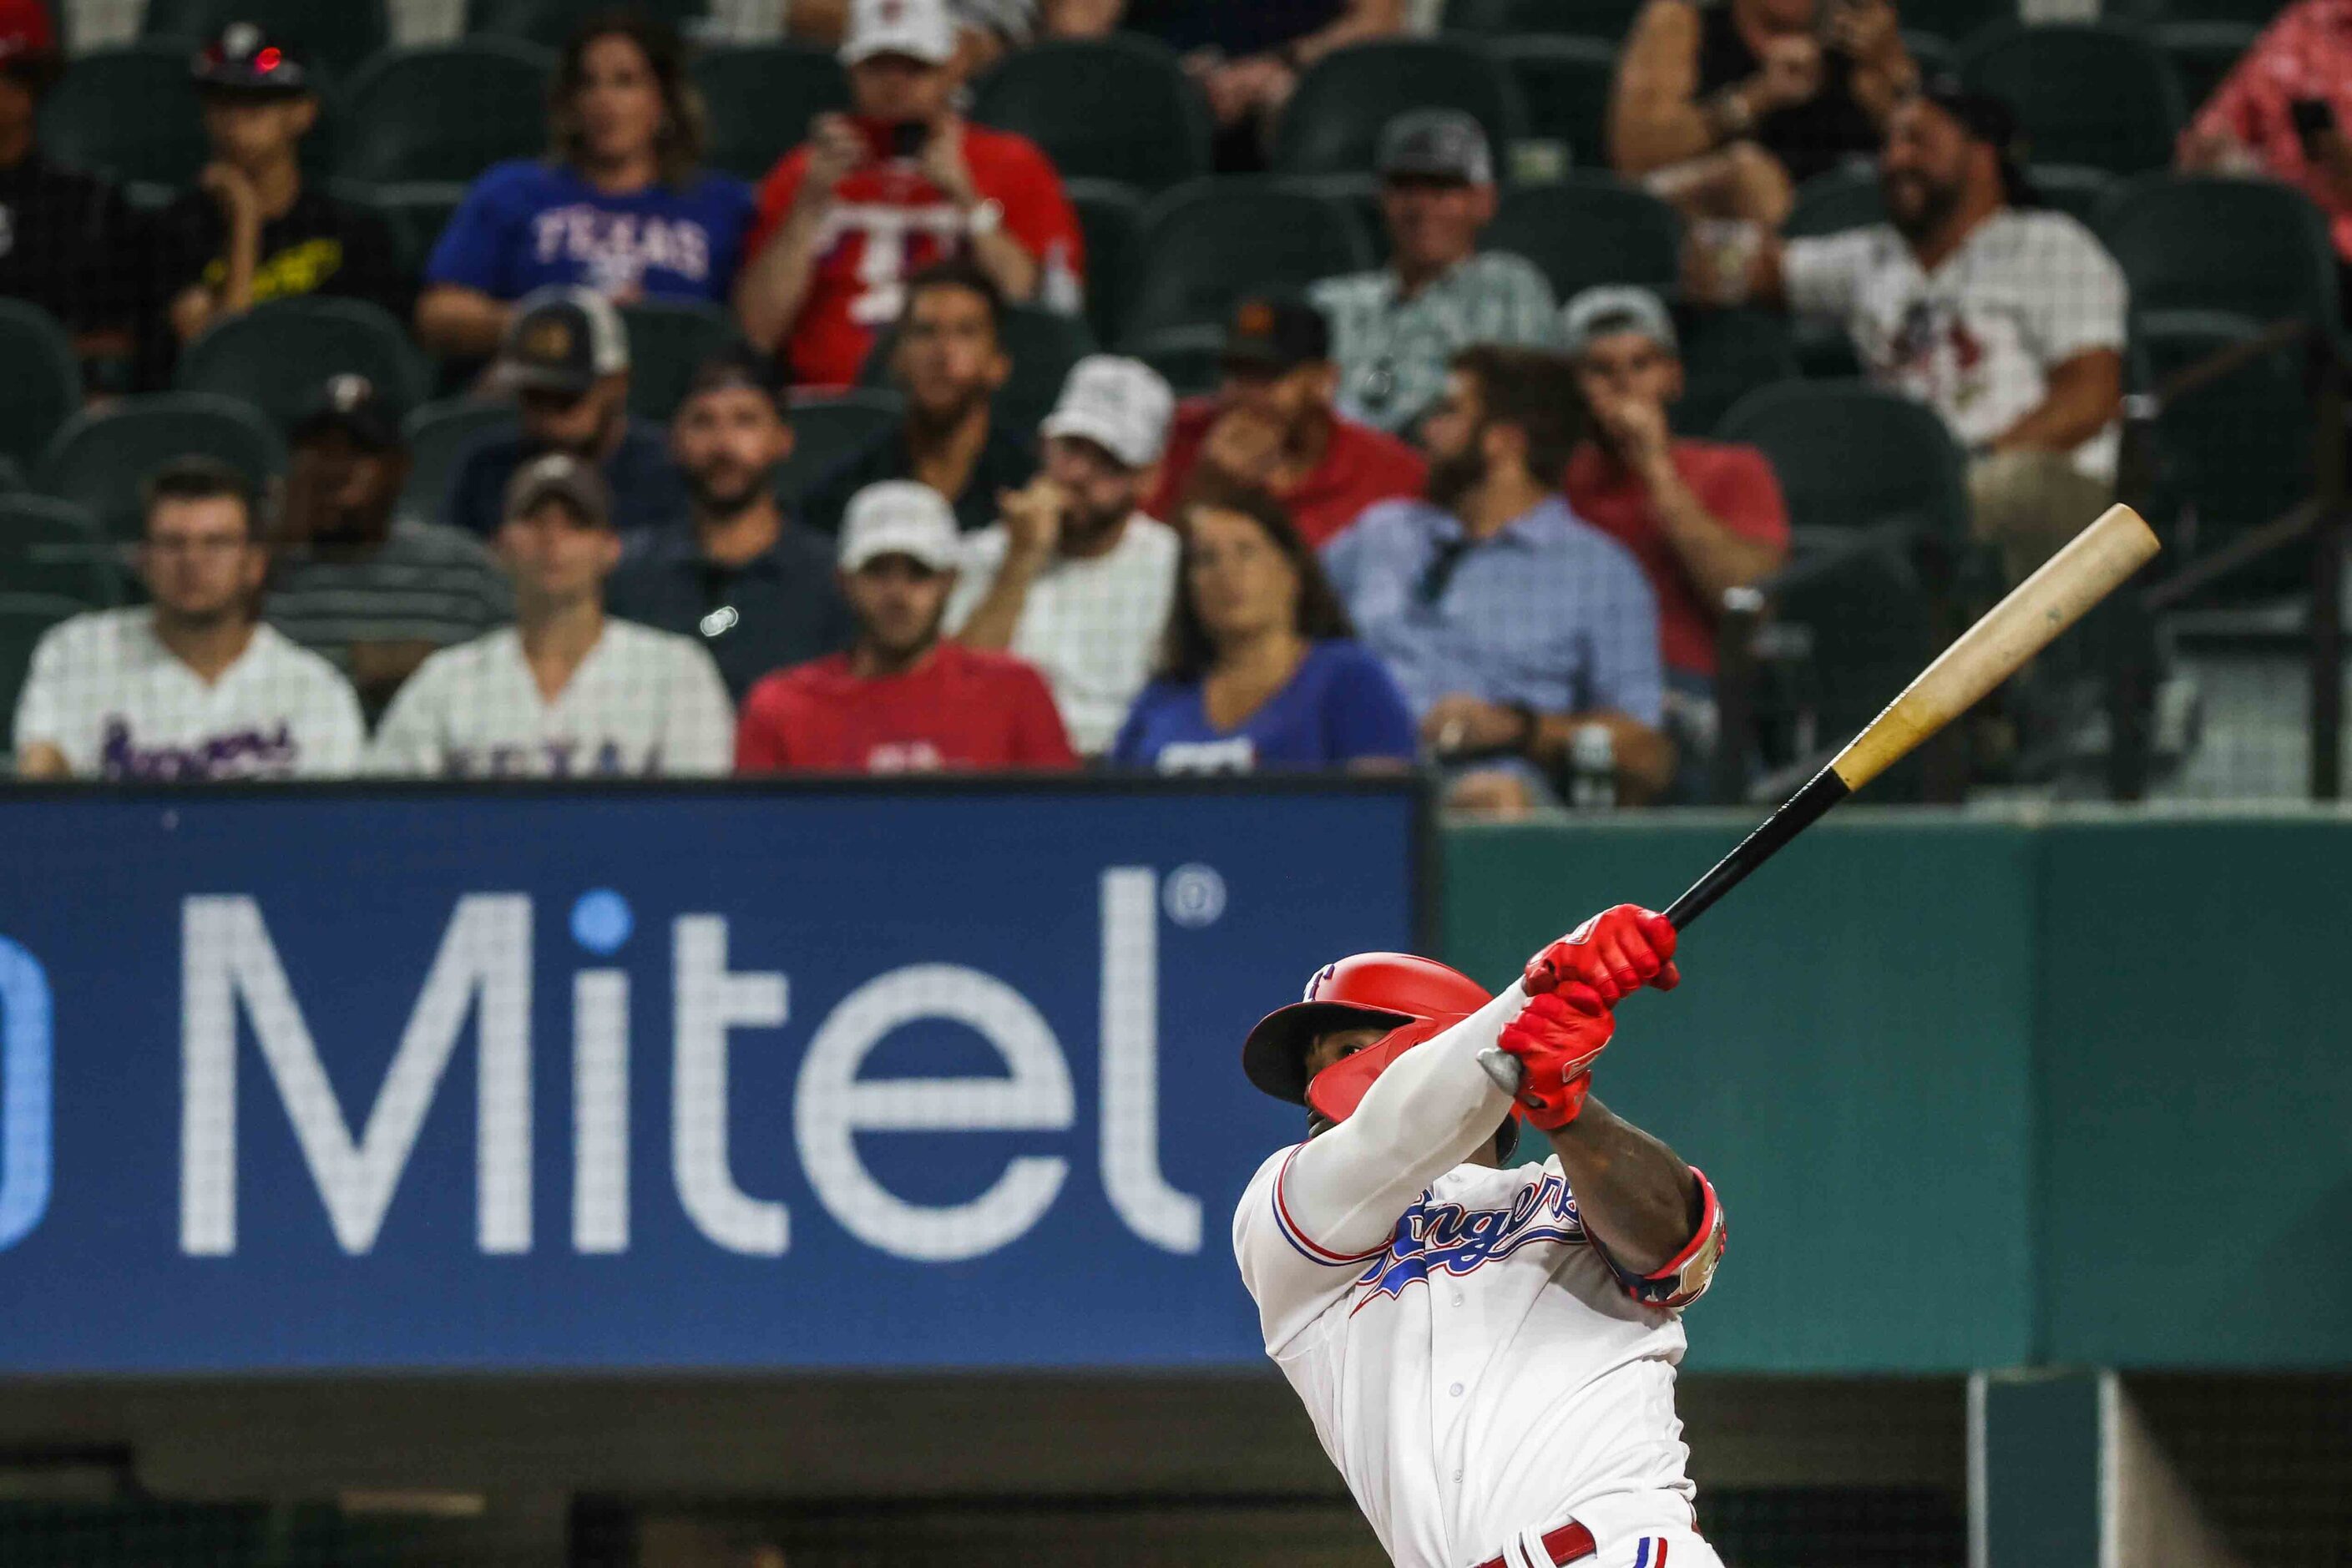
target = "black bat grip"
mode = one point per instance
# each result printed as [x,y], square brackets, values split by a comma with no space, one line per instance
[1798,812]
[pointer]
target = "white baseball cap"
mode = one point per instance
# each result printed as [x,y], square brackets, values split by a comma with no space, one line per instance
[1120,405]
[918,28]
[899,517]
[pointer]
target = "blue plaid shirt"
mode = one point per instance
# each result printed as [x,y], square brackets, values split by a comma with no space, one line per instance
[1549,612]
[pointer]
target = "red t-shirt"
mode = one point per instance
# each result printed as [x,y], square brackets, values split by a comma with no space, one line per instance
[889,222]
[1735,483]
[1360,465]
[962,708]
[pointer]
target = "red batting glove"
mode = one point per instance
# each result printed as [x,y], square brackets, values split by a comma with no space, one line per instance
[1616,952]
[1557,1036]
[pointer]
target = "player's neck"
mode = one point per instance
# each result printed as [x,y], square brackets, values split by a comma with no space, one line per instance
[619,176]
[732,539]
[871,661]
[277,183]
[1934,249]
[207,645]
[557,638]
[1501,498]
[946,448]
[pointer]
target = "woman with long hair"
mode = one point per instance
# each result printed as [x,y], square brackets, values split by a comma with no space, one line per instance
[1261,669]
[621,203]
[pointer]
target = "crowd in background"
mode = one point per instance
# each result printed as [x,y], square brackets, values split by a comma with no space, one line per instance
[1429,514]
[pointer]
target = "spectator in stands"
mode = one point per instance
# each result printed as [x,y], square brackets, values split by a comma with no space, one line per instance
[873,197]
[736,571]
[950,361]
[2007,322]
[1701,518]
[566,358]
[1393,330]
[371,594]
[1246,54]
[986,30]
[1521,636]
[1261,669]
[70,242]
[901,699]
[1725,108]
[1076,579]
[1272,425]
[621,203]
[567,690]
[254,229]
[190,687]
[2284,109]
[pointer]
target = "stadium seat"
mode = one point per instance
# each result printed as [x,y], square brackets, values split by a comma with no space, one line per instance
[1950,22]
[445,111]
[2206,242]
[49,546]
[335,35]
[1564,83]
[101,457]
[1110,216]
[1725,356]
[668,338]
[2246,13]
[760,100]
[1191,359]
[1606,20]
[24,617]
[1591,227]
[2099,93]
[550,22]
[2073,189]
[436,434]
[828,427]
[2202,53]
[1332,123]
[1933,54]
[275,356]
[1812,432]
[1042,344]
[42,382]
[1206,242]
[129,112]
[1834,202]
[417,210]
[1106,109]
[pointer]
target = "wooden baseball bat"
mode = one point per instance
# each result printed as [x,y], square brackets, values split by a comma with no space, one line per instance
[2091,566]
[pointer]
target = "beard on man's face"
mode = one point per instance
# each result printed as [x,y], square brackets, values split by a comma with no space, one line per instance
[728,490]
[1916,206]
[1453,476]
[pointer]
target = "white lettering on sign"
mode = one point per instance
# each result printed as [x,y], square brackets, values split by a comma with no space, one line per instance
[1130,1066]
[26,1063]
[709,1002]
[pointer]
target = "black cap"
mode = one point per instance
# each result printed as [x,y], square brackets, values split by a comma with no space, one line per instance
[1991,121]
[354,405]
[737,364]
[244,58]
[1435,144]
[1276,333]
[562,340]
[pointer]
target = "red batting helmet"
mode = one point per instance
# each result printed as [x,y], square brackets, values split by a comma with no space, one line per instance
[1418,996]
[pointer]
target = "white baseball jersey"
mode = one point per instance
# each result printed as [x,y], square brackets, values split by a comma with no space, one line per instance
[1473,1365]
[642,702]
[103,689]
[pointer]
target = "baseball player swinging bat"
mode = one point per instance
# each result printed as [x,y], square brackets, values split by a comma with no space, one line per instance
[1487,1350]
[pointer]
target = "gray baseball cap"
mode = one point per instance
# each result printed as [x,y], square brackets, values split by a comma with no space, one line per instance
[1617,307]
[560,476]
[1435,144]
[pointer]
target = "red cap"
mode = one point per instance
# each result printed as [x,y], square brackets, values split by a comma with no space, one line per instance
[25,29]
[1370,988]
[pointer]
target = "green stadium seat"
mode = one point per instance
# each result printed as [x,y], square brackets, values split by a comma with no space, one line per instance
[43,384]
[1043,345]
[1207,243]
[128,111]
[1812,431]
[668,338]
[1332,123]
[1725,356]
[277,356]
[2073,189]
[1950,22]
[550,22]
[437,433]
[1606,20]
[24,617]
[1565,84]
[445,111]
[2202,53]
[1191,359]
[2207,242]
[1104,109]
[2254,14]
[2099,93]
[761,99]
[1836,201]
[334,34]
[101,457]
[1591,227]
[828,427]
[1110,216]
[49,546]
[12,477]
[417,210]
[1933,53]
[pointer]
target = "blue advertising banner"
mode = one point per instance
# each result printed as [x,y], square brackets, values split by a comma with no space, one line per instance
[825,1077]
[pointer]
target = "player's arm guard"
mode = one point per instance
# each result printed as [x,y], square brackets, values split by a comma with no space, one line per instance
[1683,1278]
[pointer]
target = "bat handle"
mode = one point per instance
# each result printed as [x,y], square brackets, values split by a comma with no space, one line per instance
[1504,1069]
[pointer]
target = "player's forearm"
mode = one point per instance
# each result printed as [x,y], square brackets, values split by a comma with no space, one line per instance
[1431,1110]
[1634,1195]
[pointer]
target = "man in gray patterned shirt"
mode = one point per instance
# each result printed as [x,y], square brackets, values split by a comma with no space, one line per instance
[1394,330]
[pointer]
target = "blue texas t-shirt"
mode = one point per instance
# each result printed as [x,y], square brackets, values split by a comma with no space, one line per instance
[526,224]
[1339,707]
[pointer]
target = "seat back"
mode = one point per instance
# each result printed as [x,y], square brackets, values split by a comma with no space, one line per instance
[2099,93]
[2073,189]
[336,35]
[1206,244]
[1606,20]
[1954,21]
[1332,123]
[100,458]
[1564,83]
[1851,456]
[668,339]
[1110,216]
[24,619]
[130,112]
[1727,355]
[437,436]
[1833,202]
[1042,344]
[416,210]
[1590,228]
[446,111]
[2208,242]
[550,22]
[43,384]
[49,546]
[761,99]
[275,356]
[830,427]
[1189,359]
[1107,108]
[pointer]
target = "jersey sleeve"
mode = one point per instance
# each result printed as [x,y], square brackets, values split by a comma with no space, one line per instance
[1038,211]
[41,705]
[471,251]
[698,730]
[2080,308]
[1683,1278]
[1289,1277]
[1040,740]
[984,554]
[408,741]
[1822,276]
[763,744]
[1365,714]
[334,734]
